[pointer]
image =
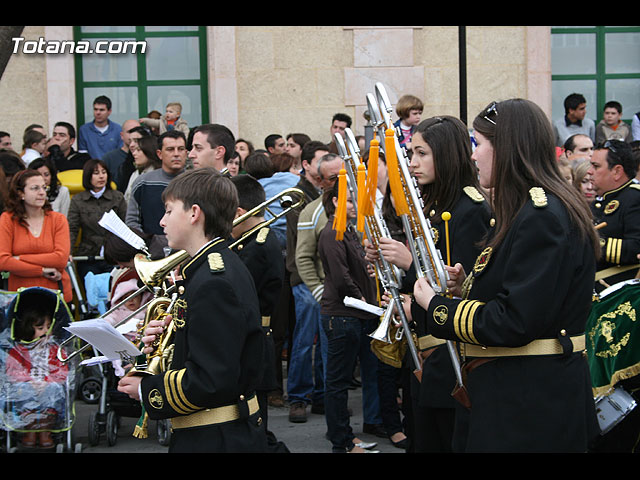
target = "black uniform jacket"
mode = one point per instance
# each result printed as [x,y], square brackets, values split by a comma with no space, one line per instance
[620,238]
[468,227]
[218,353]
[537,284]
[262,254]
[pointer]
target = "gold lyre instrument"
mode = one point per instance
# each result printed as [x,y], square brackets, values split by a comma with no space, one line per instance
[376,228]
[290,199]
[154,273]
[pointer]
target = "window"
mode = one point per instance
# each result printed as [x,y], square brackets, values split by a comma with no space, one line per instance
[602,63]
[171,67]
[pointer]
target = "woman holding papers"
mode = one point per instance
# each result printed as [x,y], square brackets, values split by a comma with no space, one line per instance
[34,240]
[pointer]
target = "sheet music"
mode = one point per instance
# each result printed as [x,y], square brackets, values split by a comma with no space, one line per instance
[113,223]
[360,305]
[112,344]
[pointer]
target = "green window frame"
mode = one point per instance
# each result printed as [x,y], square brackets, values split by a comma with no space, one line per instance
[141,82]
[600,75]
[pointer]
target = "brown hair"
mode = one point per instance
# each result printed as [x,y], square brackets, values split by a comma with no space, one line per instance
[450,143]
[406,103]
[15,204]
[214,193]
[525,157]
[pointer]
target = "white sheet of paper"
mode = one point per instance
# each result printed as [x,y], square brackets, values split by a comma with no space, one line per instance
[360,305]
[104,337]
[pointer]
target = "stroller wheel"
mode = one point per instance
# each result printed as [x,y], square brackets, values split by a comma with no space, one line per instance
[94,430]
[112,428]
[90,390]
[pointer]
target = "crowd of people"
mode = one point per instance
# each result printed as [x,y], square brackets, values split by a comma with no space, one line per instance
[523,195]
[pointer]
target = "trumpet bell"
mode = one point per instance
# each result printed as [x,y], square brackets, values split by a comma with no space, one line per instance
[382,333]
[153,272]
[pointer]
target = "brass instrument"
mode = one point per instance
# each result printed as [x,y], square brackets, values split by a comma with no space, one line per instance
[427,258]
[290,199]
[154,273]
[389,274]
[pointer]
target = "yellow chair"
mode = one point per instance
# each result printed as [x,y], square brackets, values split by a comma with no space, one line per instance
[72,179]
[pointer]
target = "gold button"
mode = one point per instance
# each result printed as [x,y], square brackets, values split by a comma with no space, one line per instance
[181,289]
[492,222]
[432,213]
[563,332]
[242,397]
[598,205]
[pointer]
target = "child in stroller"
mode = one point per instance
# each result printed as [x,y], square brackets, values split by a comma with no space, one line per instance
[35,384]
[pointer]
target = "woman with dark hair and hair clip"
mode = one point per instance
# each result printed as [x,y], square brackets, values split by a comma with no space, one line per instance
[145,158]
[520,315]
[447,179]
[34,240]
[57,194]
[86,210]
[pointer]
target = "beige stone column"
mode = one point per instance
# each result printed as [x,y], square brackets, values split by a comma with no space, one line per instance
[222,73]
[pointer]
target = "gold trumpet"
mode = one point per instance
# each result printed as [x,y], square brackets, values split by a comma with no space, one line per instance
[290,199]
[154,273]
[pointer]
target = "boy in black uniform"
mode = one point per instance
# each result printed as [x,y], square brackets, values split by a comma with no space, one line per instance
[260,251]
[613,169]
[209,389]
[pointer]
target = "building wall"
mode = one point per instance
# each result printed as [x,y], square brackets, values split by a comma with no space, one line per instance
[283,79]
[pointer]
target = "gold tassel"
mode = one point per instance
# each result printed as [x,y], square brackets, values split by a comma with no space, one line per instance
[140,430]
[393,167]
[362,196]
[372,176]
[340,220]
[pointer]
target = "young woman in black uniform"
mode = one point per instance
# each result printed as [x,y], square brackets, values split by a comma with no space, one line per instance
[520,315]
[447,179]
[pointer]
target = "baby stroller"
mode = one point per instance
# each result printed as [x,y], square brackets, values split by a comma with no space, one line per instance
[36,388]
[112,404]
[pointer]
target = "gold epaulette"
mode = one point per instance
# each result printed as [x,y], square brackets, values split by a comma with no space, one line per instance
[635,186]
[473,194]
[216,264]
[538,197]
[262,235]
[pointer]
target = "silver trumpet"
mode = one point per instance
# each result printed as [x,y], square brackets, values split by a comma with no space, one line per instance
[375,229]
[427,259]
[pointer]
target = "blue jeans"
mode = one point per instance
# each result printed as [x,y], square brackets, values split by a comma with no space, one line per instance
[303,369]
[348,340]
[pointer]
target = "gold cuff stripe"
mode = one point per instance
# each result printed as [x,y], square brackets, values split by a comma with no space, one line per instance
[463,320]
[614,250]
[175,393]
